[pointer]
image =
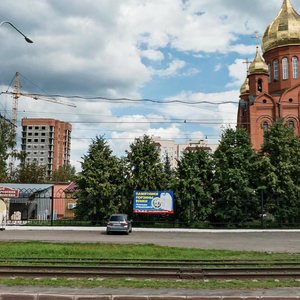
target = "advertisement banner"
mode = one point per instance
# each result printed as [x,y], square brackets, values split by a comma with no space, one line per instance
[6,192]
[153,202]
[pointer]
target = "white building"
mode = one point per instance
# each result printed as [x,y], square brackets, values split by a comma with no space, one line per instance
[174,151]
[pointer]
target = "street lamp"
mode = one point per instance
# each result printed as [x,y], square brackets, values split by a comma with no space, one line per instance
[27,39]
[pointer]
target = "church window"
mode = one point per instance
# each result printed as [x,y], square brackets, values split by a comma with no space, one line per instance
[259,85]
[265,126]
[275,67]
[291,124]
[285,68]
[295,67]
[269,73]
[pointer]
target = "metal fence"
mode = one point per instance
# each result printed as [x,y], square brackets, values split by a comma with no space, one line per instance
[37,206]
[54,206]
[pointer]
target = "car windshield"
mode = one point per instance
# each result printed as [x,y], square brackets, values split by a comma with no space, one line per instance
[117,218]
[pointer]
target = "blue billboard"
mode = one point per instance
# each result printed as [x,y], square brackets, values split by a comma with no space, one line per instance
[153,202]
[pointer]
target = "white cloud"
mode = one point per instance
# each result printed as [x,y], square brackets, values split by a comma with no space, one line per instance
[151,54]
[237,72]
[217,67]
[173,68]
[113,48]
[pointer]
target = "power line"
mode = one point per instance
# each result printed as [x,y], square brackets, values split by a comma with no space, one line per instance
[130,100]
[155,122]
[130,138]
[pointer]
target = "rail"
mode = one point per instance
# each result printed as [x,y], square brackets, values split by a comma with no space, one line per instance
[148,269]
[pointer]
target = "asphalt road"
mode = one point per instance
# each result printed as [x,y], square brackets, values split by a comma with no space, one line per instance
[268,241]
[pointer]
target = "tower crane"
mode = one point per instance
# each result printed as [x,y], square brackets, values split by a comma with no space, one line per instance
[16,93]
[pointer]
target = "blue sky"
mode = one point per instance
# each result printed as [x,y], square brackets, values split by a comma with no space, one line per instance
[192,50]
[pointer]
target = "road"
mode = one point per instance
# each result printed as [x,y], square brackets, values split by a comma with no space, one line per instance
[272,241]
[267,241]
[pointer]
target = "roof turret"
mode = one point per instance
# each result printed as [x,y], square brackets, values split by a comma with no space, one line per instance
[245,87]
[258,65]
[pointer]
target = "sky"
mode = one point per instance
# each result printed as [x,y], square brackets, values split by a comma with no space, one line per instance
[180,64]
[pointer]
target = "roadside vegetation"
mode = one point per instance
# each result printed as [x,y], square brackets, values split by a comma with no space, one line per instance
[151,252]
[235,187]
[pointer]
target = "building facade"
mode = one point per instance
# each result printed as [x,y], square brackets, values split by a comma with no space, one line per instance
[46,142]
[271,90]
[168,148]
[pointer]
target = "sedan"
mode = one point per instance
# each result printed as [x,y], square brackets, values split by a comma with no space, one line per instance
[119,223]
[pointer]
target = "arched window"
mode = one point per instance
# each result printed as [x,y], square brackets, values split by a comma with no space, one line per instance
[285,70]
[295,67]
[275,69]
[265,126]
[259,85]
[291,124]
[269,73]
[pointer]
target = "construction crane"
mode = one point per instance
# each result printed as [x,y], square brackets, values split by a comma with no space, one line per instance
[16,93]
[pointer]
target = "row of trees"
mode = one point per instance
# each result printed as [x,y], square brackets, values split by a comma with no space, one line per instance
[233,186]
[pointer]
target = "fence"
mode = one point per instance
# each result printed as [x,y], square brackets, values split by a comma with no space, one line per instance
[34,205]
[55,206]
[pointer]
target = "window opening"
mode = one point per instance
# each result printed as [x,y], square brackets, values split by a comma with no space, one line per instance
[275,66]
[269,73]
[285,68]
[295,67]
[265,126]
[291,124]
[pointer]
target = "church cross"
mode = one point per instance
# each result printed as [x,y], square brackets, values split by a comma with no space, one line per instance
[257,37]
[247,62]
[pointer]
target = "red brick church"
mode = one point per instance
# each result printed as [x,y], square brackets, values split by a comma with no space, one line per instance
[272,87]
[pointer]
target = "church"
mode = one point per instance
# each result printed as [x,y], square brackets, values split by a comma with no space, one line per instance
[272,88]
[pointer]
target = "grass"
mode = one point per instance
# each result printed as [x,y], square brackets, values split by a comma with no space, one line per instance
[148,251]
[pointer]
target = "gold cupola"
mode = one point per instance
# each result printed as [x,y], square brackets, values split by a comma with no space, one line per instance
[258,65]
[284,30]
[245,87]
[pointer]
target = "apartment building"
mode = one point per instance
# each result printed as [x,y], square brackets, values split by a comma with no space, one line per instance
[46,142]
[174,151]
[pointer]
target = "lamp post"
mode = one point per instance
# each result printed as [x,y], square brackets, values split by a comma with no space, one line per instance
[27,39]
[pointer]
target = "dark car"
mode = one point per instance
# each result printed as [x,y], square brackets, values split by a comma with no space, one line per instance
[119,223]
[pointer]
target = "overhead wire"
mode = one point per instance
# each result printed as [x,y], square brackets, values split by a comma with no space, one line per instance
[111,100]
[131,100]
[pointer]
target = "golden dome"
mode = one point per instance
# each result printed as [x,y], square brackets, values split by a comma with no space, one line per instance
[258,66]
[284,30]
[245,87]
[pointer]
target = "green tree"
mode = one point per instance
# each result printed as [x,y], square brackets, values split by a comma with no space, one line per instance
[144,170]
[235,161]
[31,173]
[64,173]
[7,143]
[99,183]
[193,188]
[281,173]
[169,173]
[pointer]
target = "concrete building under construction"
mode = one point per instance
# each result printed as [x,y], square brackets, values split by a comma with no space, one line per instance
[46,142]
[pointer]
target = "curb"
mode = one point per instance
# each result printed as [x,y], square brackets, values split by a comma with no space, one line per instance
[18,296]
[143,229]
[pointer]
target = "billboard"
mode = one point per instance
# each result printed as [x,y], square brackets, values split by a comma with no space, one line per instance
[153,202]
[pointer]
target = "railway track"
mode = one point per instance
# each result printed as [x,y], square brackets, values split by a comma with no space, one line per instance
[141,268]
